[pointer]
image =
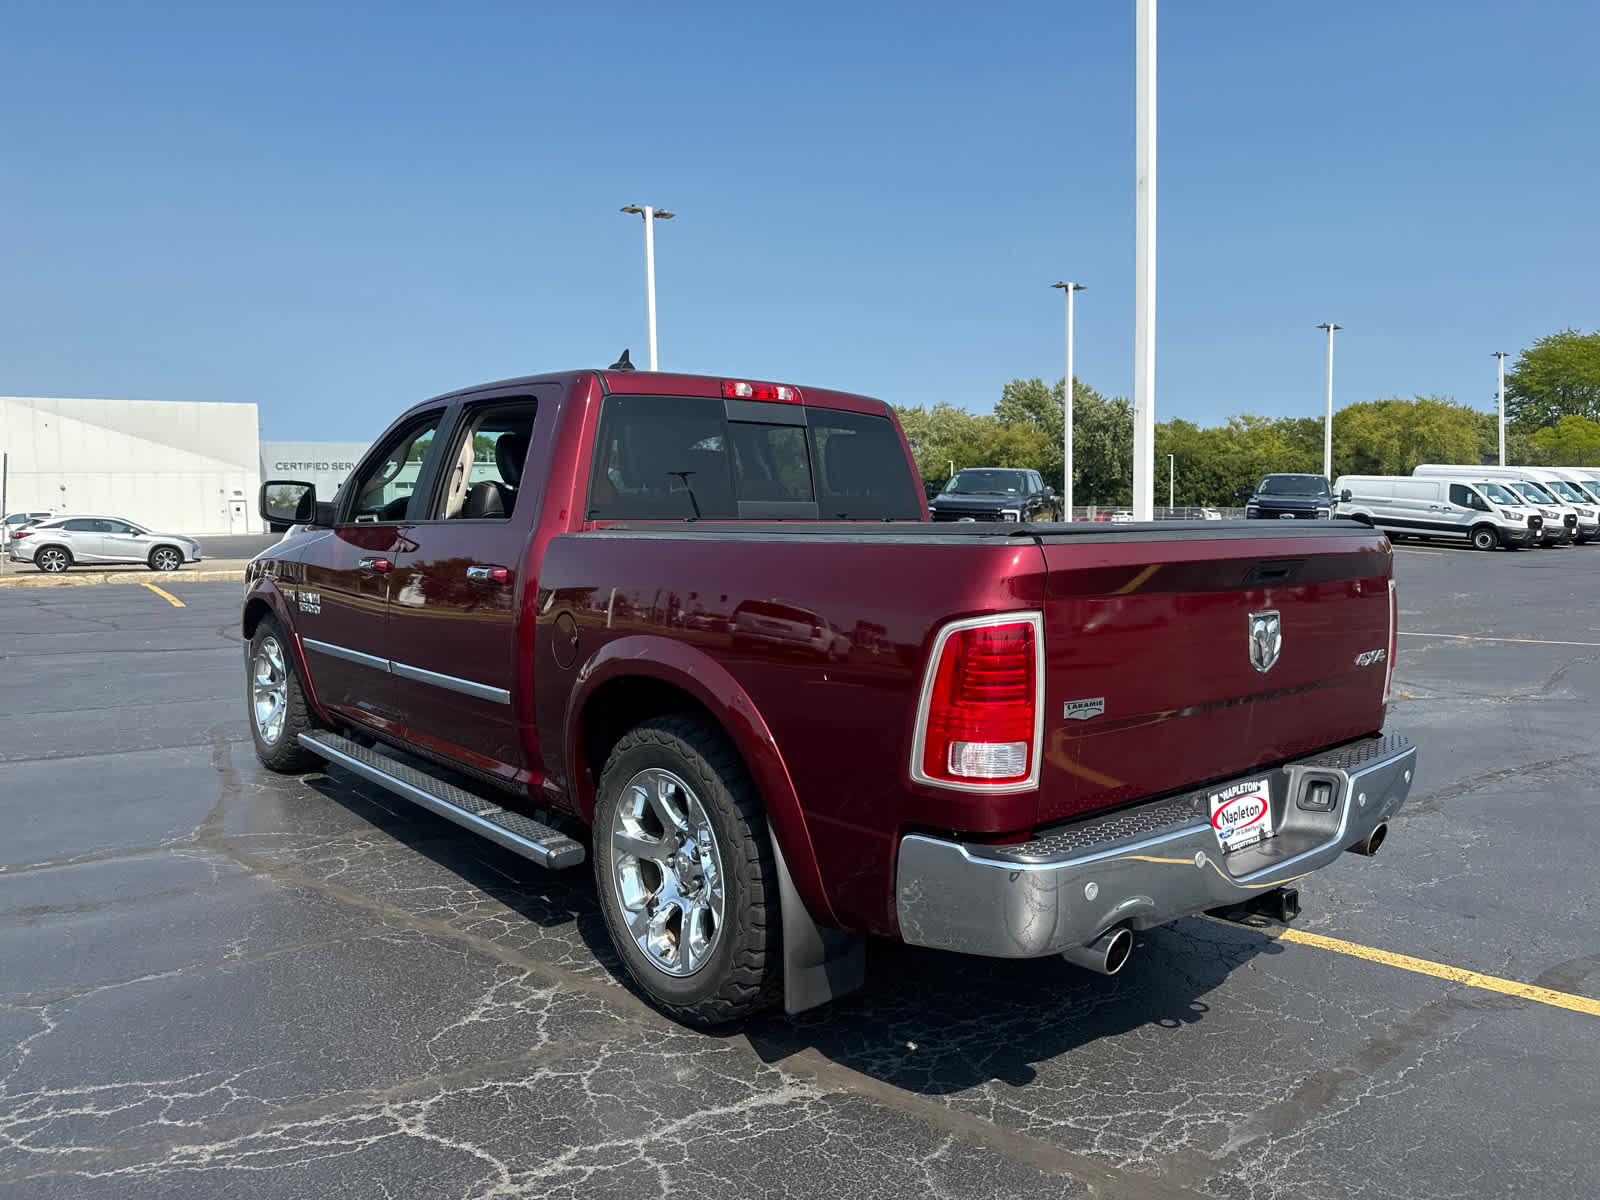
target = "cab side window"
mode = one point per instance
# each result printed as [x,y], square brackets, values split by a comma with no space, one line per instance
[661,458]
[382,491]
[483,475]
[1465,497]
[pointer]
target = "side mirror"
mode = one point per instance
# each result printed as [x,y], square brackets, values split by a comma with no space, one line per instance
[1243,492]
[1049,493]
[929,490]
[1344,496]
[285,502]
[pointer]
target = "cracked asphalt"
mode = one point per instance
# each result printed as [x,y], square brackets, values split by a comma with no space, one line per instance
[218,981]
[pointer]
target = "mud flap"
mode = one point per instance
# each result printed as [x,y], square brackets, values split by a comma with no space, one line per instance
[819,964]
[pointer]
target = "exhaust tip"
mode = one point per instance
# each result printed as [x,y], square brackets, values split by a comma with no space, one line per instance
[1120,950]
[1368,846]
[1107,954]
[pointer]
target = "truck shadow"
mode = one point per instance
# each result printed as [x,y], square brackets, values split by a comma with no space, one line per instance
[937,1023]
[927,1021]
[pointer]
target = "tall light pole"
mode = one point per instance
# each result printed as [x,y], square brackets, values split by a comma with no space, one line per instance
[1144,264]
[1066,435]
[651,216]
[1501,355]
[1327,427]
[1172,475]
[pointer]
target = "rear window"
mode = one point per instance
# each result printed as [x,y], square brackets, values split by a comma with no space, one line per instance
[686,458]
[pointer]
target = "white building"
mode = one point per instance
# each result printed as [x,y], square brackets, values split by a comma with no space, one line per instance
[323,463]
[178,467]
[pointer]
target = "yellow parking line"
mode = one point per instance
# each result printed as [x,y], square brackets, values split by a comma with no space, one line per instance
[1472,637]
[1422,966]
[165,595]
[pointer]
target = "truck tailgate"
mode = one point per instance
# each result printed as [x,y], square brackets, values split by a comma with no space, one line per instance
[1150,681]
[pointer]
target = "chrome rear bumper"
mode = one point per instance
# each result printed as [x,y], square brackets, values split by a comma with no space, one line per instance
[1143,866]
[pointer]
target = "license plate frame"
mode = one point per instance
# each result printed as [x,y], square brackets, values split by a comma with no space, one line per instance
[1241,813]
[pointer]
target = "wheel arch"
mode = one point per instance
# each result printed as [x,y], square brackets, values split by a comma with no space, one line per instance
[636,678]
[264,599]
[159,546]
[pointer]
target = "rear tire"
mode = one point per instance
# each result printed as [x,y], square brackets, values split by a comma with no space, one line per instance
[52,560]
[1484,537]
[276,702]
[686,876]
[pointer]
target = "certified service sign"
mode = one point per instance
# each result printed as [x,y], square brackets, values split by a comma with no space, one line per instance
[1241,813]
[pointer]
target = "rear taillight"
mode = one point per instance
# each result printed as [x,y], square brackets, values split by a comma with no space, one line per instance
[1394,642]
[21,533]
[982,699]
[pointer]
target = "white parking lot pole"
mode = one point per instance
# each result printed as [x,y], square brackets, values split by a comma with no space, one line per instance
[1144,265]
[1066,433]
[1327,428]
[1501,355]
[651,216]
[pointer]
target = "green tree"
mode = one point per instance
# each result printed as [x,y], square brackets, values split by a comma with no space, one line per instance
[1519,449]
[1559,375]
[1390,437]
[943,434]
[1102,447]
[1571,442]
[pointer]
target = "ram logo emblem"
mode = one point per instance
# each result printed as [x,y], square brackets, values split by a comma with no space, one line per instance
[1266,639]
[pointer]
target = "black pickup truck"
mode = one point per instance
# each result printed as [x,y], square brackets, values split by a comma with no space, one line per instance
[995,494]
[1289,497]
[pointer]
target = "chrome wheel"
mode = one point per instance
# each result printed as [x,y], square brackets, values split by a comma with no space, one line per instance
[269,690]
[668,872]
[166,559]
[52,559]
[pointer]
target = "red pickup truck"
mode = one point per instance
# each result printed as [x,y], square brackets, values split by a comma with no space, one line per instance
[702,632]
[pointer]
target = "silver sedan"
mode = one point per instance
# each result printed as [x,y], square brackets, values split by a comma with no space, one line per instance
[63,542]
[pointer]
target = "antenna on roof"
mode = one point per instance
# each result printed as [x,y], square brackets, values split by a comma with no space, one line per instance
[622,364]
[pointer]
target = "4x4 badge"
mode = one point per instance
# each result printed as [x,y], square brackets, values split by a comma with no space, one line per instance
[1266,639]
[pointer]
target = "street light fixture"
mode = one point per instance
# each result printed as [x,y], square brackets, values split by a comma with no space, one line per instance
[1066,435]
[1327,428]
[1501,355]
[651,216]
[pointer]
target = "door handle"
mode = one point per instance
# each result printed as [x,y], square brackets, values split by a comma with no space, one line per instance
[381,565]
[489,574]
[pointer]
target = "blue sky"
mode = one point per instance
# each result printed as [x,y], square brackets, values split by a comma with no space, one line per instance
[335,211]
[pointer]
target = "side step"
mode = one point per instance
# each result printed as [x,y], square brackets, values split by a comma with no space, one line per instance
[522,835]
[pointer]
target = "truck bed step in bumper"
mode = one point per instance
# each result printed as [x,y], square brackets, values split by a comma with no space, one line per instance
[518,833]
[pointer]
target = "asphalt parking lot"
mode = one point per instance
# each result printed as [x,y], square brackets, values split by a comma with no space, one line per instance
[218,981]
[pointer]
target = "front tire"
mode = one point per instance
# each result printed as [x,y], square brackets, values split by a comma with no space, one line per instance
[1484,538]
[53,559]
[686,876]
[165,558]
[279,713]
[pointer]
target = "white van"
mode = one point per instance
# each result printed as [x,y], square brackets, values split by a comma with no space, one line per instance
[1564,506]
[1585,479]
[1482,512]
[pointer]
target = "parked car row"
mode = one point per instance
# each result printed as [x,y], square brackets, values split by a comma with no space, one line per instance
[56,543]
[1488,506]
